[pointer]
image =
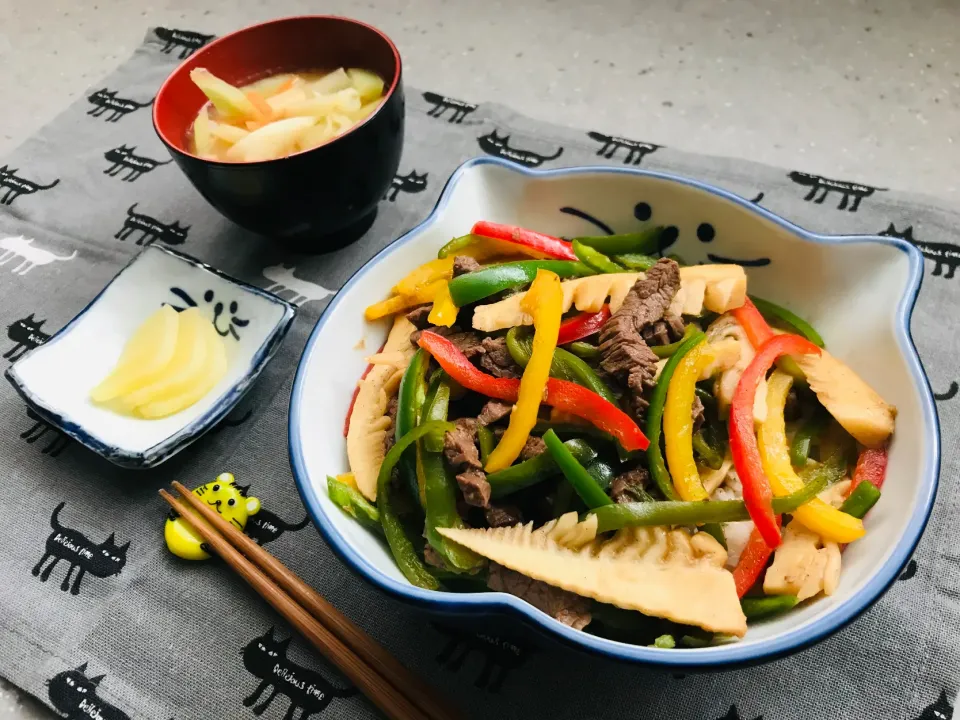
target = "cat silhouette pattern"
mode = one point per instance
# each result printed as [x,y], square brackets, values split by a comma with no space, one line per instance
[21,248]
[26,335]
[230,422]
[734,714]
[74,696]
[282,278]
[940,709]
[636,151]
[494,144]
[101,560]
[106,103]
[266,526]
[186,41]
[500,656]
[15,186]
[944,255]
[151,229]
[409,183]
[825,186]
[123,158]
[909,571]
[266,659]
[442,103]
[39,429]
[219,310]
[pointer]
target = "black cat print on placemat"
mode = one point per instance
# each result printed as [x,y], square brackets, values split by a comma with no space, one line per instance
[266,526]
[494,144]
[734,714]
[232,422]
[105,101]
[124,159]
[442,103]
[412,182]
[758,198]
[610,144]
[825,186]
[74,696]
[209,296]
[25,335]
[266,659]
[950,394]
[944,255]
[151,230]
[500,656]
[940,709]
[101,560]
[909,571]
[186,41]
[16,186]
[58,441]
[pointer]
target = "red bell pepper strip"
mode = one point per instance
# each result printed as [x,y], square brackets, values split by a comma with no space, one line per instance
[583,325]
[561,394]
[546,244]
[753,323]
[871,467]
[356,391]
[752,562]
[757,494]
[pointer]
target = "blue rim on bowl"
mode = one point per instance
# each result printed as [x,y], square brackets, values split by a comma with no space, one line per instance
[704,658]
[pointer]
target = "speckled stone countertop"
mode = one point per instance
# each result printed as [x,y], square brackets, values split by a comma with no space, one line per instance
[859,90]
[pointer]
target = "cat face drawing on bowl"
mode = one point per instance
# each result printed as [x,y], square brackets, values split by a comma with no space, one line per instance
[857,291]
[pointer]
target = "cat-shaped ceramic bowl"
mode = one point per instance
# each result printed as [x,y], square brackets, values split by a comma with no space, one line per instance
[55,378]
[858,291]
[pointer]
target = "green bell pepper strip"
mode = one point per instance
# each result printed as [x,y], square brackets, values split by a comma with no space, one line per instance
[792,321]
[401,546]
[535,470]
[354,504]
[457,244]
[710,445]
[487,442]
[665,351]
[436,407]
[756,608]
[471,287]
[808,433]
[678,512]
[655,462]
[863,497]
[635,261]
[645,241]
[410,398]
[715,530]
[665,642]
[594,259]
[587,488]
[600,471]
[565,365]
[691,641]
[440,489]
[584,350]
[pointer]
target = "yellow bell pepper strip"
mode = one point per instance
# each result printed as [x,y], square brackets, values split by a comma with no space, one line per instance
[544,301]
[439,269]
[396,303]
[816,515]
[443,312]
[678,423]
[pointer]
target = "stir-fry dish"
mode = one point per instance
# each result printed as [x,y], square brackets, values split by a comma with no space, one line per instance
[636,447]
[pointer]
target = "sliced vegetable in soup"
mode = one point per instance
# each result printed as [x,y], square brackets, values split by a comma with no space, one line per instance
[280,115]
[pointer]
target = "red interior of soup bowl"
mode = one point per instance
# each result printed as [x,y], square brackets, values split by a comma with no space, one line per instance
[307,42]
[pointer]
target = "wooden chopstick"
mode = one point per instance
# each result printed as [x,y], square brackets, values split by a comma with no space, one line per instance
[394,700]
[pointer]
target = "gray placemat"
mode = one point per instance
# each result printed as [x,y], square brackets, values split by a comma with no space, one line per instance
[148,636]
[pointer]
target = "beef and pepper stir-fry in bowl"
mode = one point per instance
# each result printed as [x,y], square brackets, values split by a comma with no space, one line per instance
[639,448]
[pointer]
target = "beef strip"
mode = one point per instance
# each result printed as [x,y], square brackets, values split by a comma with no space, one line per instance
[496,359]
[466,341]
[698,413]
[623,487]
[623,352]
[460,449]
[390,437]
[463,264]
[532,447]
[663,332]
[418,316]
[503,515]
[568,608]
[493,411]
[432,557]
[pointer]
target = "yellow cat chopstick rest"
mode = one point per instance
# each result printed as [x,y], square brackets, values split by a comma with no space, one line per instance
[224,496]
